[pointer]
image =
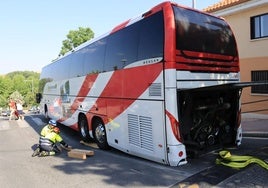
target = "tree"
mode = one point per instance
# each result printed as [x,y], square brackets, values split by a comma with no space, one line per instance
[17,97]
[75,38]
[6,86]
[19,84]
[23,82]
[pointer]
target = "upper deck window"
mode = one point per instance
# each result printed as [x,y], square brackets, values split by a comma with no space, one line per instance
[259,26]
[200,32]
[139,41]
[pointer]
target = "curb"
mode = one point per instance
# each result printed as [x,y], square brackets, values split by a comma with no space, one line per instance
[253,116]
[255,134]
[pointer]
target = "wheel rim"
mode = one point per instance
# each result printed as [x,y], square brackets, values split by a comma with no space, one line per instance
[100,133]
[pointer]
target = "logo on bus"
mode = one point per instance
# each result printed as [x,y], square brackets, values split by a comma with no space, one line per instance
[151,61]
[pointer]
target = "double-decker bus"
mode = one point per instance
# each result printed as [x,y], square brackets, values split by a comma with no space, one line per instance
[162,86]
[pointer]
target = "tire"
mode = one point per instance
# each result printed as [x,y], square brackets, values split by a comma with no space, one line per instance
[100,134]
[83,128]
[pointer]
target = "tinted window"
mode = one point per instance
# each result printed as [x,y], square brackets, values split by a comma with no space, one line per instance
[94,57]
[75,64]
[141,40]
[50,71]
[203,33]
[122,48]
[45,72]
[152,37]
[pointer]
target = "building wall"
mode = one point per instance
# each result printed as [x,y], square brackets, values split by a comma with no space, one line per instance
[253,56]
[247,65]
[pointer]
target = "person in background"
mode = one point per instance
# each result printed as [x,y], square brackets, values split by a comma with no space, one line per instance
[13,109]
[20,110]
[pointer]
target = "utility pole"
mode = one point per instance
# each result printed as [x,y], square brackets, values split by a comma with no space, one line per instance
[193,3]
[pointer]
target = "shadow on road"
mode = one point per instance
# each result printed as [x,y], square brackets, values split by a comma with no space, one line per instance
[111,167]
[115,168]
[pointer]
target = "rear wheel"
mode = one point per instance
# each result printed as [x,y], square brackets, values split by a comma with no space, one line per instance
[100,134]
[83,128]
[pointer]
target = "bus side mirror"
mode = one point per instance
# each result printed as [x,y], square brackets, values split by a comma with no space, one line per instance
[38,97]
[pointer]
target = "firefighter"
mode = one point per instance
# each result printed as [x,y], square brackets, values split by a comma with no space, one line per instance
[49,143]
[47,130]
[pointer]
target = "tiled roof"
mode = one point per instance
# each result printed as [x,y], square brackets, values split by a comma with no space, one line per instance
[223,4]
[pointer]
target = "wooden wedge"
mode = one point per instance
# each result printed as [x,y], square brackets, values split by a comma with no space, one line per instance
[77,155]
[87,152]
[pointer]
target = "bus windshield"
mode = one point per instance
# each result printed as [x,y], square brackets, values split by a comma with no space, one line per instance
[199,32]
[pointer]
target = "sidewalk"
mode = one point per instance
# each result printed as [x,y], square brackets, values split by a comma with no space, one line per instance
[254,125]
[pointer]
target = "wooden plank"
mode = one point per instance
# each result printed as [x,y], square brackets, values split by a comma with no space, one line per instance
[77,155]
[87,152]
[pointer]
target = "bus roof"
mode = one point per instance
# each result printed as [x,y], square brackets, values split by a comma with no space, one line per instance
[128,23]
[119,27]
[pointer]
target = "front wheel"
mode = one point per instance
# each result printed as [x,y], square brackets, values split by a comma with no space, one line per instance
[100,134]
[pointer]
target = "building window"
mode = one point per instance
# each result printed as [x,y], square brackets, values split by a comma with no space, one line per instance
[259,76]
[259,26]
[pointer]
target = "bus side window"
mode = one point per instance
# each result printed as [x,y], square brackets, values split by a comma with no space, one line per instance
[94,57]
[152,37]
[76,64]
[122,48]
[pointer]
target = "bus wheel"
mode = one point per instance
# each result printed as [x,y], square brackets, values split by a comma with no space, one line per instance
[83,128]
[100,134]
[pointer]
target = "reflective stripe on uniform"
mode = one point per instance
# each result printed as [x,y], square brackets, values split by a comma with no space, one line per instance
[45,141]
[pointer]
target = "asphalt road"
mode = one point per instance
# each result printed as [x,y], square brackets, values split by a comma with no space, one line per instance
[107,168]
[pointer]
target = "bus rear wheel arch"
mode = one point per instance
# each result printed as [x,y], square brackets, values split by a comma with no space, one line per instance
[46,112]
[99,133]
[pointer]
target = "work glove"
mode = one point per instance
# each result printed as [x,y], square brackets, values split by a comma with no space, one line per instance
[67,147]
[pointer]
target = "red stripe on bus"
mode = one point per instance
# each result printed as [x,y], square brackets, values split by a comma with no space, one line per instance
[124,88]
[174,125]
[84,90]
